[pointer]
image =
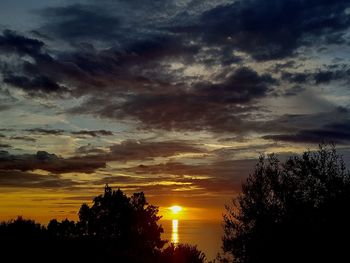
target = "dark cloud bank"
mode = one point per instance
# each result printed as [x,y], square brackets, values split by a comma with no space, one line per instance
[17,170]
[131,64]
[122,68]
[125,151]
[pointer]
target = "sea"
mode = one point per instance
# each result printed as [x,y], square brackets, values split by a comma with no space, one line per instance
[207,235]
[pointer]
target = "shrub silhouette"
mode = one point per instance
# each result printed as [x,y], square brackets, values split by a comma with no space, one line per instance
[182,253]
[21,239]
[296,211]
[115,228]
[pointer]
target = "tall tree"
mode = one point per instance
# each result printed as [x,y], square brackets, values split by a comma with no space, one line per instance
[296,211]
[129,223]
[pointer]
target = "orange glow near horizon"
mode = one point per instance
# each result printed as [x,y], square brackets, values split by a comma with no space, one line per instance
[191,212]
[42,205]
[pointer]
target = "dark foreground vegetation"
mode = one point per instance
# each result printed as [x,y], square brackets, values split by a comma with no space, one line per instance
[293,211]
[296,211]
[115,228]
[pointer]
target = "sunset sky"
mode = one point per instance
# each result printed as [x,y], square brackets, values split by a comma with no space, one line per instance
[176,98]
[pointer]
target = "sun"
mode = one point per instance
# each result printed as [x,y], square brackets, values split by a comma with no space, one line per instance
[175,209]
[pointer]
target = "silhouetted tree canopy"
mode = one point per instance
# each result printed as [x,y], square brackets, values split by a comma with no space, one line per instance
[21,229]
[182,253]
[295,211]
[130,223]
[115,228]
[62,230]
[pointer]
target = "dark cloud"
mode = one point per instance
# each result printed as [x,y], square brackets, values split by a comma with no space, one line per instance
[132,71]
[335,132]
[36,77]
[242,86]
[93,133]
[45,131]
[142,150]
[32,180]
[204,106]
[326,76]
[220,176]
[273,29]
[319,76]
[162,46]
[126,151]
[134,62]
[23,138]
[168,112]
[137,67]
[233,170]
[293,123]
[42,84]
[48,162]
[2,145]
[11,42]
[89,150]
[85,70]
[121,61]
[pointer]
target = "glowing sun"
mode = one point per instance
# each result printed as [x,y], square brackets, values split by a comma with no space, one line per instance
[175,209]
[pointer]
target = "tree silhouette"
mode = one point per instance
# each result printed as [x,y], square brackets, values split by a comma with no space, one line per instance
[115,216]
[21,229]
[62,230]
[128,225]
[115,228]
[296,211]
[182,253]
[20,239]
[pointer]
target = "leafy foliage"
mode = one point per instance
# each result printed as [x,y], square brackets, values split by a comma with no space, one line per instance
[128,223]
[182,253]
[296,211]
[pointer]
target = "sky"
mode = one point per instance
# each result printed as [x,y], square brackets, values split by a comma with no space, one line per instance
[175,98]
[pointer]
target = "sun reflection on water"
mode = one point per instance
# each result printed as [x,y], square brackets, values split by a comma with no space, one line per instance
[175,232]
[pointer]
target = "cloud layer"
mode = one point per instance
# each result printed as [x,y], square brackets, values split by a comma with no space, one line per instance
[168,96]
